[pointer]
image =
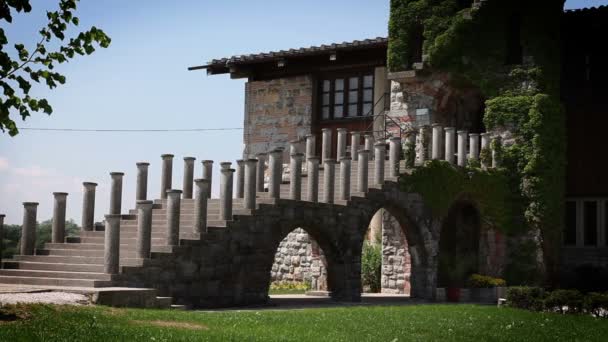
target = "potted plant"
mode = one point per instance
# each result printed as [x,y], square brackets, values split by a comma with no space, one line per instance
[485,288]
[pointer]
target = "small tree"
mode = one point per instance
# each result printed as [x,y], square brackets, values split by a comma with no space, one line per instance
[38,65]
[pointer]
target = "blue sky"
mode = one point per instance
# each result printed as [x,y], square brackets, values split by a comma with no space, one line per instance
[141,81]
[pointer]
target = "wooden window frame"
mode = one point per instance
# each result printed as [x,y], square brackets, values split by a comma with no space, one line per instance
[602,222]
[346,76]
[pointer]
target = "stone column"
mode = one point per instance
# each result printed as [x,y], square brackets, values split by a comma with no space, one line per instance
[116,193]
[329,180]
[423,148]
[342,135]
[363,169]
[58,227]
[462,148]
[474,146]
[437,142]
[380,157]
[410,144]
[166,175]
[326,143]
[173,213]
[345,178]
[225,165]
[450,147]
[88,206]
[141,192]
[275,166]
[240,178]
[2,216]
[394,156]
[144,229]
[28,228]
[111,248]
[188,177]
[311,145]
[369,145]
[294,147]
[251,166]
[496,157]
[226,194]
[295,183]
[259,173]
[201,205]
[313,179]
[355,140]
[485,145]
[208,174]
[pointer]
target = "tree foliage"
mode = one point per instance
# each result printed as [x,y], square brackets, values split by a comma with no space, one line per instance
[12,235]
[20,67]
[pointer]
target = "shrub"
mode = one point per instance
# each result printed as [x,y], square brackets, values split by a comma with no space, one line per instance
[289,286]
[570,301]
[596,304]
[525,297]
[371,266]
[481,281]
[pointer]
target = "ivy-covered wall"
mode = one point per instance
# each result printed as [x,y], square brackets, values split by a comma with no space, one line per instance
[510,51]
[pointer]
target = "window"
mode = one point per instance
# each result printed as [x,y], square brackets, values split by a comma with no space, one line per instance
[586,222]
[347,97]
[570,224]
[590,223]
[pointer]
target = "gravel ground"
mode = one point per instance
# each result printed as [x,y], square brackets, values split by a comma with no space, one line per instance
[60,298]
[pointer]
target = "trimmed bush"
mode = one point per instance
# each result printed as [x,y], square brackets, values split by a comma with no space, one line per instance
[479,281]
[596,304]
[371,266]
[563,301]
[525,297]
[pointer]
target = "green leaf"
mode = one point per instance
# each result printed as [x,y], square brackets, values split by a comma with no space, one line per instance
[23,54]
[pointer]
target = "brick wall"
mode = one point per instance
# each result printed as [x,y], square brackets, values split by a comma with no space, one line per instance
[276,112]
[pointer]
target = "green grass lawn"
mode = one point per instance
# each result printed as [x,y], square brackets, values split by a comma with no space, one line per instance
[286,291]
[405,323]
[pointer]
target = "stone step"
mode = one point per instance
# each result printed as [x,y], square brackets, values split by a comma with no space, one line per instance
[164,302]
[54,281]
[55,274]
[44,266]
[124,253]
[75,260]
[126,241]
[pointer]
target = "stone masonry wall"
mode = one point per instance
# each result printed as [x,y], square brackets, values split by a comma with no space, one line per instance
[396,261]
[276,112]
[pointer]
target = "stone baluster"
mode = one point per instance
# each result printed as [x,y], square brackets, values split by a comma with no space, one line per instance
[116,193]
[496,155]
[58,225]
[355,141]
[342,135]
[188,177]
[240,178]
[380,159]
[450,147]
[141,192]
[311,145]
[251,166]
[201,205]
[28,228]
[369,145]
[474,146]
[363,170]
[326,143]
[423,148]
[295,183]
[462,148]
[260,172]
[144,229]
[226,187]
[225,165]
[329,180]
[208,174]
[88,206]
[173,213]
[275,166]
[394,156]
[294,147]
[345,165]
[410,144]
[485,146]
[313,179]
[437,144]
[166,175]
[2,216]
[111,248]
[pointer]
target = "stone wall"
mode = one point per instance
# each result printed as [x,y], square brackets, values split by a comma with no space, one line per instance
[396,261]
[276,112]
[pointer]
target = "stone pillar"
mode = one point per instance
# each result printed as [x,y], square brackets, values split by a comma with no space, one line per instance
[474,146]
[28,228]
[450,147]
[275,166]
[173,213]
[363,170]
[295,147]
[58,227]
[355,141]
[188,177]
[208,174]
[437,142]
[295,183]
[394,156]
[240,178]
[111,248]
[342,135]
[144,229]
[462,148]
[200,205]
[345,178]
[369,144]
[166,175]
[423,148]
[380,157]
[313,179]
[326,143]
[485,145]
[251,166]
[226,194]
[225,165]
[2,216]
[410,144]
[141,192]
[116,192]
[259,173]
[496,157]
[88,206]
[329,180]
[311,145]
